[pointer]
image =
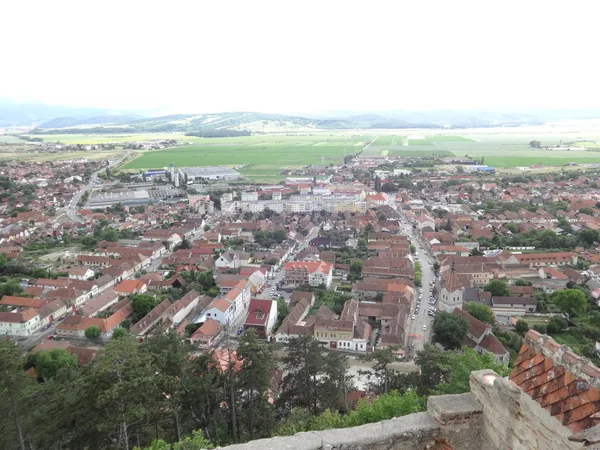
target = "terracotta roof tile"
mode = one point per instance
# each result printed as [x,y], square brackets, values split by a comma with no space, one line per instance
[553,376]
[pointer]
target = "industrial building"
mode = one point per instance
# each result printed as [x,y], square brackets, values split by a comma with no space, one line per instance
[207,173]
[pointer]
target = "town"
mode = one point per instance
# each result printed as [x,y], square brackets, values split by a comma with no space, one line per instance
[367,259]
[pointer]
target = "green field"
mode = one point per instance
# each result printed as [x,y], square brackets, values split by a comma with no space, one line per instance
[267,156]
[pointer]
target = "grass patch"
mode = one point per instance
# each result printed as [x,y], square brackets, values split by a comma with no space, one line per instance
[420,142]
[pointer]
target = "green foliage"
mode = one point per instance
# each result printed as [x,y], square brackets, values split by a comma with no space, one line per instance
[418,273]
[49,362]
[384,407]
[142,304]
[355,270]
[570,301]
[521,326]
[498,288]
[92,332]
[119,333]
[481,312]
[450,329]
[459,367]
[556,324]
[269,238]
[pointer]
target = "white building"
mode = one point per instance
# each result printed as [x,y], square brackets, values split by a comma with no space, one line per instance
[22,323]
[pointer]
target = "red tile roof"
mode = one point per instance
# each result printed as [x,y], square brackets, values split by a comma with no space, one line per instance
[563,383]
[258,312]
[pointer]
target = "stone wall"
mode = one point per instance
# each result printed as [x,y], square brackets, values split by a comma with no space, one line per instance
[495,415]
[452,422]
[513,420]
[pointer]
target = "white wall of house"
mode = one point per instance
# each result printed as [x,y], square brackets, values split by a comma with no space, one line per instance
[20,329]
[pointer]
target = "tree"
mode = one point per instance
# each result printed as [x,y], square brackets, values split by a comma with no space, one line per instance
[498,288]
[92,332]
[254,378]
[587,210]
[125,388]
[195,442]
[413,249]
[521,326]
[355,270]
[142,304]
[119,333]
[459,367]
[556,324]
[381,360]
[450,329]
[49,362]
[110,234]
[206,228]
[535,144]
[570,301]
[14,384]
[303,365]
[481,312]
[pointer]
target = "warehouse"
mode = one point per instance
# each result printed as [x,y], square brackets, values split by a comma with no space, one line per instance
[194,174]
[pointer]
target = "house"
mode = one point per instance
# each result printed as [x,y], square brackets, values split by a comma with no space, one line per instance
[100,303]
[74,326]
[548,259]
[314,273]
[228,308]
[80,273]
[521,291]
[481,338]
[293,325]
[504,308]
[149,320]
[262,316]
[347,332]
[130,287]
[93,260]
[298,296]
[163,235]
[208,335]
[228,260]
[22,302]
[21,323]
[52,311]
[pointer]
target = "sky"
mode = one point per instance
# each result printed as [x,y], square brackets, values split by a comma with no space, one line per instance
[307,56]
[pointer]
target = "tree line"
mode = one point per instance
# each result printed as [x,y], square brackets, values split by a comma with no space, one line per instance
[153,394]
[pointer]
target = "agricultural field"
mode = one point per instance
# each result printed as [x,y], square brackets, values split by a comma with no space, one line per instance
[89,139]
[266,156]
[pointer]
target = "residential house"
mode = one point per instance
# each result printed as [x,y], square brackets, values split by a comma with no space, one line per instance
[149,320]
[293,325]
[21,323]
[131,287]
[481,338]
[314,273]
[80,273]
[208,335]
[262,316]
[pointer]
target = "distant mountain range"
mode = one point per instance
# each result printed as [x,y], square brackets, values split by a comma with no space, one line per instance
[45,119]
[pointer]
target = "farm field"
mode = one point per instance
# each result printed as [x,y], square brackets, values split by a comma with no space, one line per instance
[266,156]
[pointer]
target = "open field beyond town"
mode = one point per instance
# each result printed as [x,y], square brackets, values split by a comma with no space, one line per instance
[265,156]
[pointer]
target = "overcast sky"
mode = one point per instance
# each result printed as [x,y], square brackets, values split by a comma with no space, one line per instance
[301,56]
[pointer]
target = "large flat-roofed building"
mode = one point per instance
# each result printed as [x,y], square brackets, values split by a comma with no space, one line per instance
[193,174]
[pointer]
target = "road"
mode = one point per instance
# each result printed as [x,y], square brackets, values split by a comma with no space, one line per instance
[72,207]
[417,336]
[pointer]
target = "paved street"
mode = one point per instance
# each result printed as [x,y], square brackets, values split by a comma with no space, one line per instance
[72,208]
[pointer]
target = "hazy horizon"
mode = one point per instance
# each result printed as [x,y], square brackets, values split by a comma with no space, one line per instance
[300,57]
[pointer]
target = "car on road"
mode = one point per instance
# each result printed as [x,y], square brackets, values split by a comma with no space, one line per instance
[424,327]
[413,317]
